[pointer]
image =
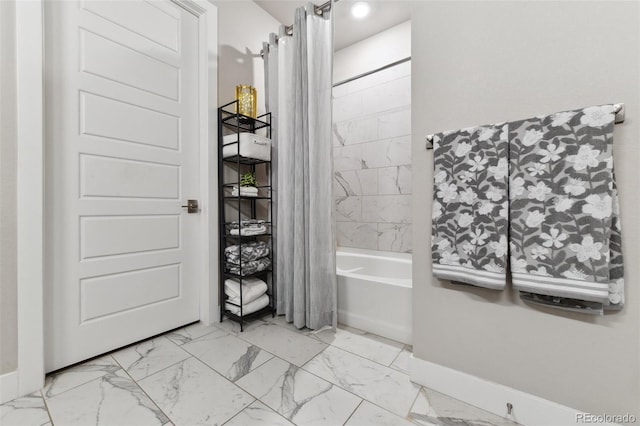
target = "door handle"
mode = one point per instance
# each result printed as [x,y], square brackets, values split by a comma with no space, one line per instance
[192,206]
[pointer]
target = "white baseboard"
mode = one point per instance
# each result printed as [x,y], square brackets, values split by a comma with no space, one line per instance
[8,387]
[391,331]
[527,409]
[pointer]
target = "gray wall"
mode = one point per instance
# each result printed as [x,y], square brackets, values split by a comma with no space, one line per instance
[242,27]
[8,290]
[485,62]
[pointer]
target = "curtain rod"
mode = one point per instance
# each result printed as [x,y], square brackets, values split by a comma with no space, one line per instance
[364,74]
[618,109]
[319,10]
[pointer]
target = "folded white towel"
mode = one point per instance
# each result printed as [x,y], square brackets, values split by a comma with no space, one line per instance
[252,288]
[254,230]
[246,191]
[243,194]
[249,308]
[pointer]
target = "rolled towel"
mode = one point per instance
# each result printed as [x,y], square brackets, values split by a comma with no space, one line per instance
[249,308]
[245,191]
[252,288]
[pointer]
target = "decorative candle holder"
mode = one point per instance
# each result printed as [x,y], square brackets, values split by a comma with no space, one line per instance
[247,100]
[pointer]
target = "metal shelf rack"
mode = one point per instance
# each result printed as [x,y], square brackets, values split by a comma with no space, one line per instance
[231,122]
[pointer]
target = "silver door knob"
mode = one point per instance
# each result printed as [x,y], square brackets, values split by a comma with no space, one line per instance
[192,206]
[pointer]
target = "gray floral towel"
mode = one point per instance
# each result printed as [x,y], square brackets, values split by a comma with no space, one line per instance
[565,233]
[469,216]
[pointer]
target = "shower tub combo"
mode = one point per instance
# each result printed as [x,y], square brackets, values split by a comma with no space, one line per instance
[374,292]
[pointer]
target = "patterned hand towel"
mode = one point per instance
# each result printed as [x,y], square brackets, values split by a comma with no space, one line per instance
[565,233]
[250,267]
[249,251]
[469,216]
[247,227]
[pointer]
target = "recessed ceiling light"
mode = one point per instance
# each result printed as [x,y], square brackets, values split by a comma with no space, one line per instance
[360,10]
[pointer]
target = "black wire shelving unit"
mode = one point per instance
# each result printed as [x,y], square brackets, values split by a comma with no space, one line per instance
[231,122]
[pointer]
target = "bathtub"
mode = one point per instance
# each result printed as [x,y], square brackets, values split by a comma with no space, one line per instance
[374,292]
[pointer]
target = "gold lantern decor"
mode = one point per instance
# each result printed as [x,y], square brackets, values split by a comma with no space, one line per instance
[247,100]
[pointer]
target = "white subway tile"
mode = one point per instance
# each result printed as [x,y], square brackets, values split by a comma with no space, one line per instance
[386,208]
[356,182]
[385,153]
[358,130]
[349,209]
[394,180]
[386,96]
[347,107]
[347,158]
[394,237]
[394,123]
[357,235]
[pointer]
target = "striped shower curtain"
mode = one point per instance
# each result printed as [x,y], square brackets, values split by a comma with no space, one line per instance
[298,74]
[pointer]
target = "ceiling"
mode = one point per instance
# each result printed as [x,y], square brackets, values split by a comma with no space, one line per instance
[384,14]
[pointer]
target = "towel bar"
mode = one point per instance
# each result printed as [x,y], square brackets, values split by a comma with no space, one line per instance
[618,109]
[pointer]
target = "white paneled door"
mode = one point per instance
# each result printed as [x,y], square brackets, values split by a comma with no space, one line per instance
[122,141]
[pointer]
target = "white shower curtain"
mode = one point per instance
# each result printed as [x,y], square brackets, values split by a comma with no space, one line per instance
[298,80]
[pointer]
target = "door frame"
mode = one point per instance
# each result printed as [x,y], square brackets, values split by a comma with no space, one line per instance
[33,224]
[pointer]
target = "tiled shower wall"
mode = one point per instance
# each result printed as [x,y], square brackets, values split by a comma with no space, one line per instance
[372,160]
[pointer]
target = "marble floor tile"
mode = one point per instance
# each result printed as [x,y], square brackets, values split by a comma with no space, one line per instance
[282,342]
[376,383]
[369,414]
[282,322]
[299,396]
[258,414]
[227,354]
[191,332]
[77,375]
[145,358]
[401,363]
[433,407]
[367,345]
[233,327]
[113,399]
[190,393]
[28,411]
